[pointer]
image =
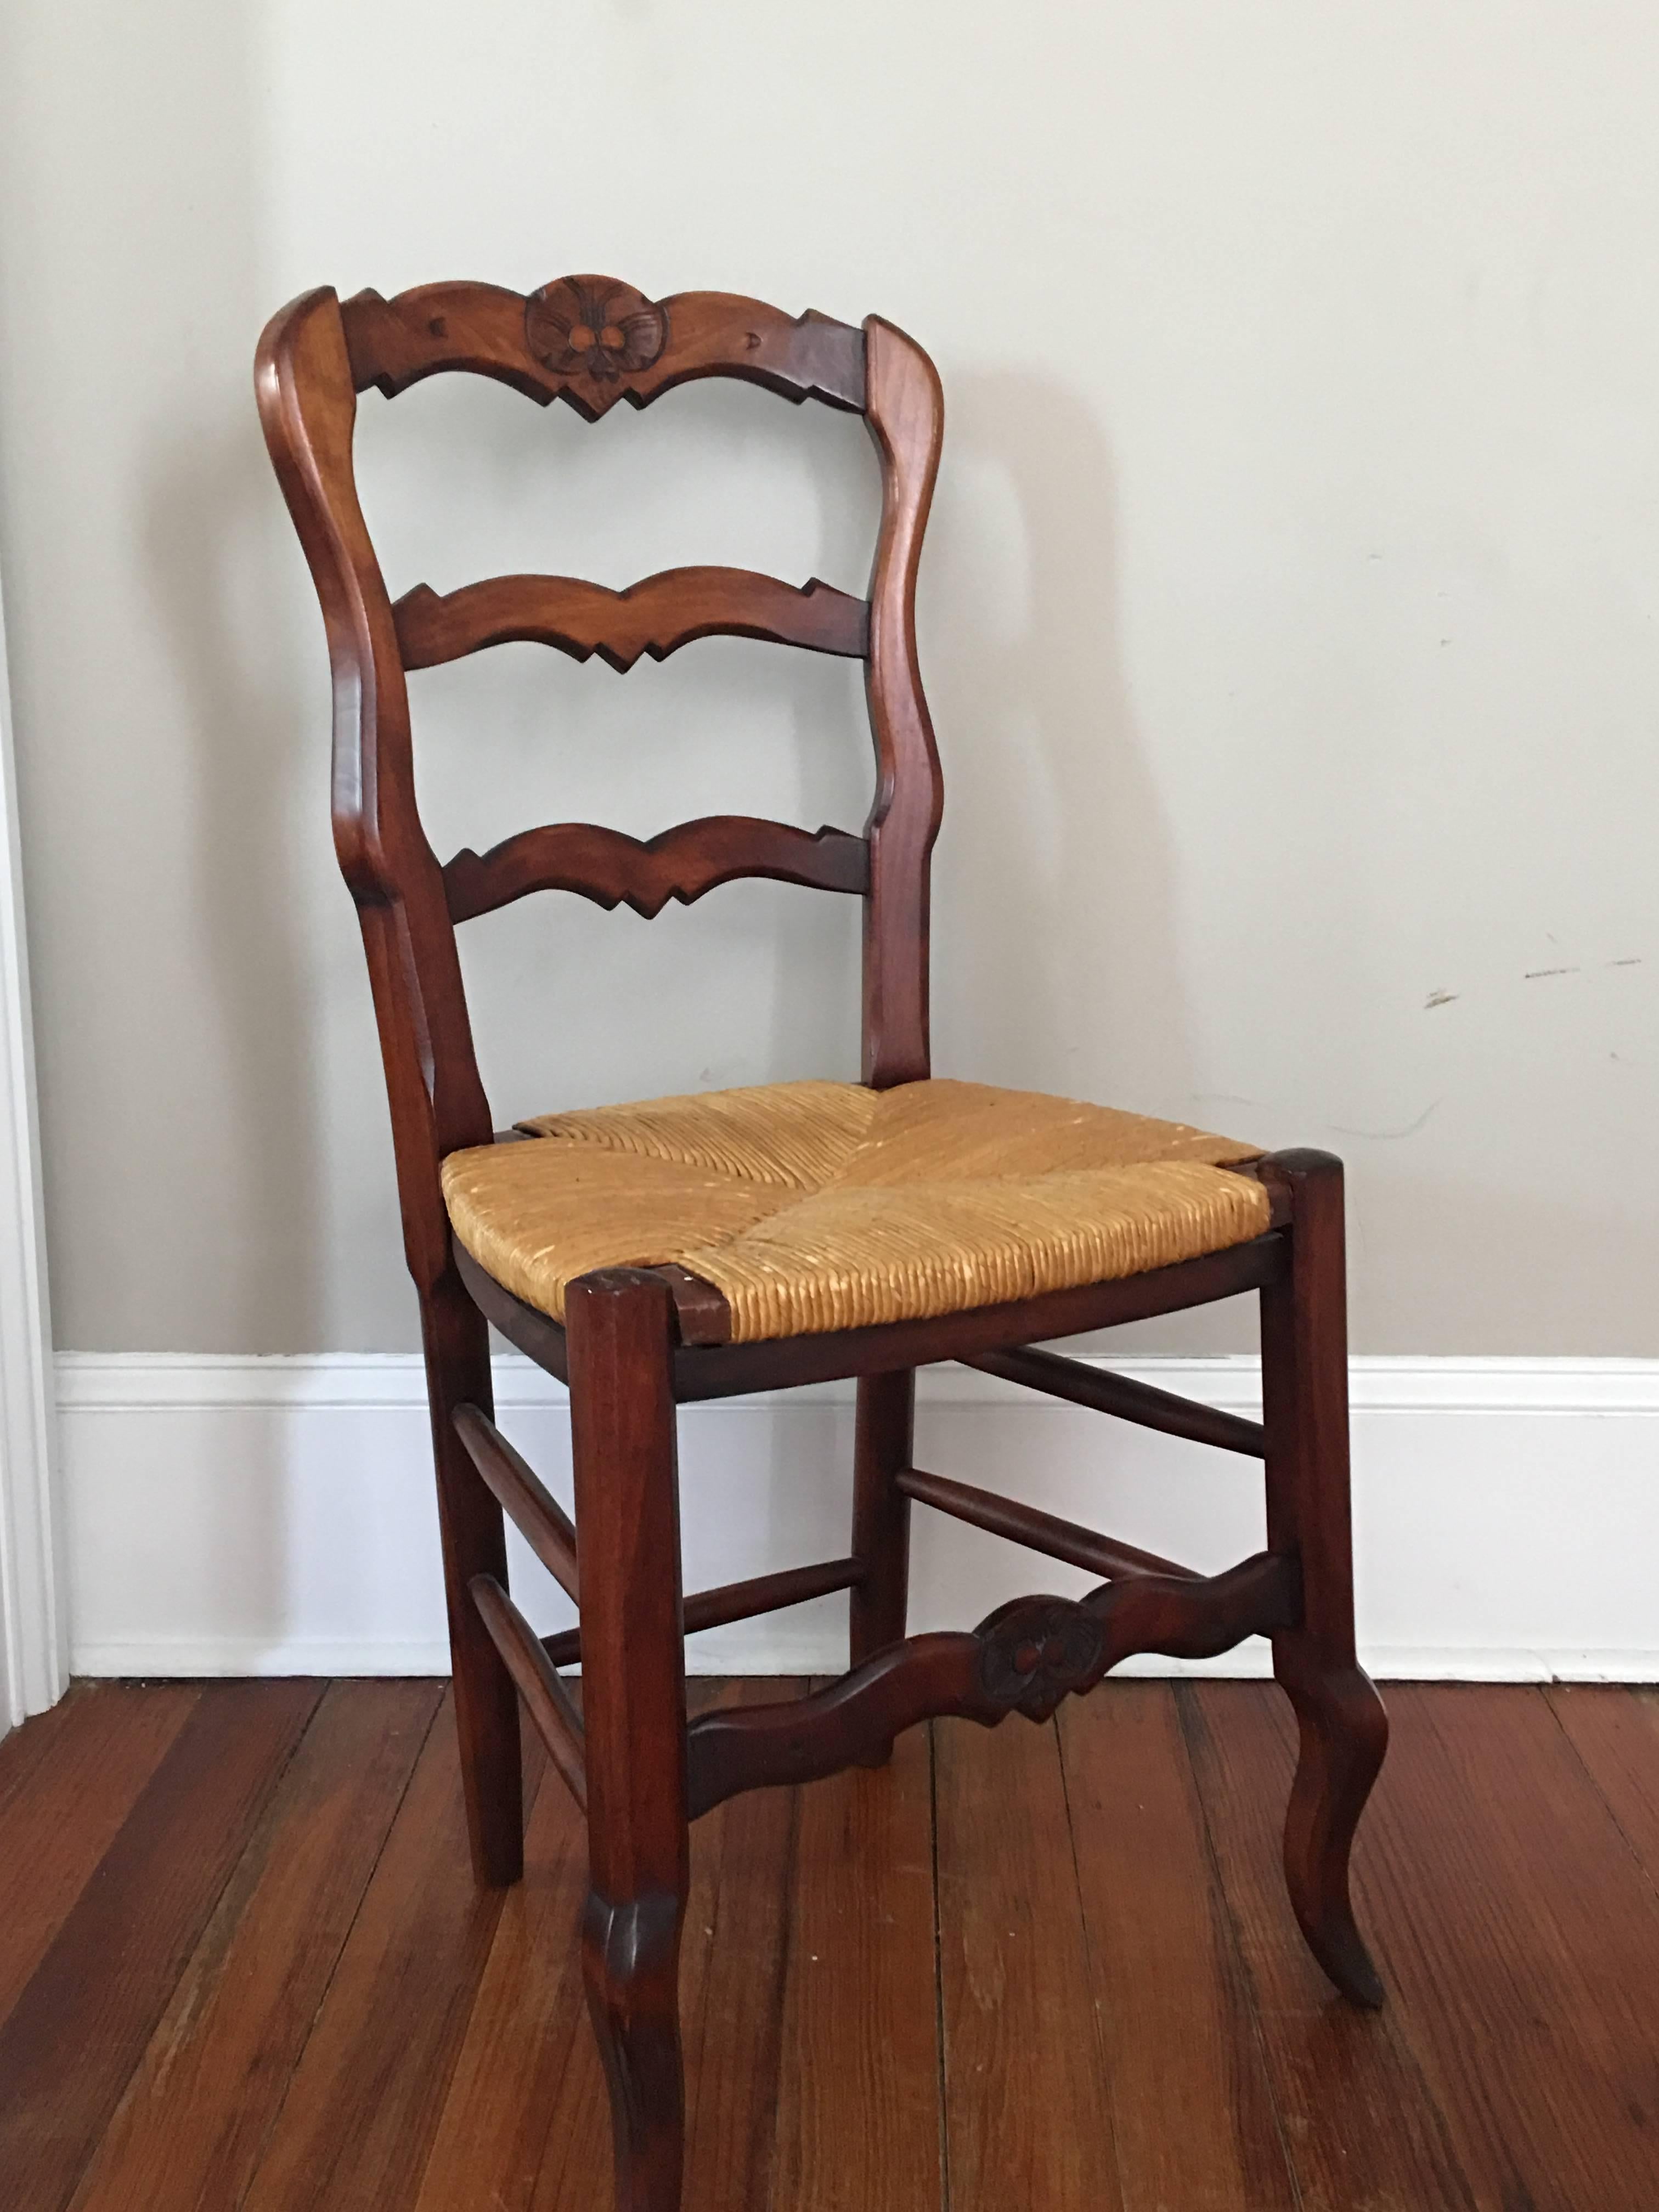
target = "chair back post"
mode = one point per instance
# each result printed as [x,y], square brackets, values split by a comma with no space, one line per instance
[308,405]
[904,407]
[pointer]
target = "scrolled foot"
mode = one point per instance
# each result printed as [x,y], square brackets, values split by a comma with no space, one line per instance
[1345,1733]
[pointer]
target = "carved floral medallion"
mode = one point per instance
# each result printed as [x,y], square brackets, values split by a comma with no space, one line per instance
[594,327]
[1036,1651]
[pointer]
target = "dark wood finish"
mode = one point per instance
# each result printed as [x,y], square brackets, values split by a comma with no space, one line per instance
[658,615]
[640,1339]
[1509,1909]
[1149,1408]
[715,1608]
[192,2126]
[1499,1923]
[1616,1734]
[526,2065]
[494,333]
[1038,1531]
[457,1344]
[1015,2001]
[105,1980]
[1345,1730]
[728,1371]
[1192,2107]
[1024,1657]
[683,863]
[622,1424]
[357,2122]
[1359,2119]
[884,1424]
[858,2109]
[558,1722]
[521,1492]
[905,410]
[70,1777]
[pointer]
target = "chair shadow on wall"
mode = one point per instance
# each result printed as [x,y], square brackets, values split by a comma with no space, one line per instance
[207,507]
[1056,964]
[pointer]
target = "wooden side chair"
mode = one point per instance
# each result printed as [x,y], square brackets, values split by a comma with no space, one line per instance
[689,1248]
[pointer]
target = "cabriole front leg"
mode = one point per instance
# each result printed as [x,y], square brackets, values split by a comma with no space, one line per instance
[1343,1727]
[622,1419]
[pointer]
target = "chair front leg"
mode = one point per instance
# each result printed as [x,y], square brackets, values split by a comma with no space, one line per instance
[622,1416]
[1343,1727]
[456,1338]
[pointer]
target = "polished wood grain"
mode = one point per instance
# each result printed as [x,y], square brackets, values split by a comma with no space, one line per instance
[743,1601]
[1016,2008]
[1171,1997]
[547,1700]
[1041,1532]
[357,2123]
[1534,1933]
[1616,1732]
[684,863]
[905,411]
[627,1483]
[522,1495]
[858,2106]
[105,1980]
[1360,2120]
[1344,1728]
[192,2126]
[639,1341]
[94,1757]
[657,616]
[1123,1398]
[491,331]
[1108,1931]
[1024,1657]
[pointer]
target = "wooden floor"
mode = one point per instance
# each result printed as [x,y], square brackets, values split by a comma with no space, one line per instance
[242,1965]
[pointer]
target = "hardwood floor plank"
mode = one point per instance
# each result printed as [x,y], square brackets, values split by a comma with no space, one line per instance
[23,1747]
[362,2104]
[858,2117]
[1192,2112]
[65,1804]
[524,2029]
[1615,1729]
[1028,2119]
[1362,2125]
[738,1939]
[190,2128]
[1521,1937]
[79,2026]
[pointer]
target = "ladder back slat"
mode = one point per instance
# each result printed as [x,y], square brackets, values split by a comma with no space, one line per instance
[683,863]
[657,616]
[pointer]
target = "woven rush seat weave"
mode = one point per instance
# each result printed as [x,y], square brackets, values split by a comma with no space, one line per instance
[816,1205]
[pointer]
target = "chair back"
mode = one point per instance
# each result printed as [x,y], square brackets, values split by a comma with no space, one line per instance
[591,341]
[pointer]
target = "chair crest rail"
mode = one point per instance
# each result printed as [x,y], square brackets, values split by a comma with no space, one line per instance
[592,340]
[657,616]
[1024,1657]
[682,863]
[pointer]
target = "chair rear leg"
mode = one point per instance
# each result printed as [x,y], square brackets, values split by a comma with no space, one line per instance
[621,1414]
[457,1343]
[1343,1727]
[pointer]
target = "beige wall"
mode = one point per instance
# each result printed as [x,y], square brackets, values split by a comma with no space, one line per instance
[1289,614]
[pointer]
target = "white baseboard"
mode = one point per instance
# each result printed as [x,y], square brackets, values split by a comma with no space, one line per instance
[275,1516]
